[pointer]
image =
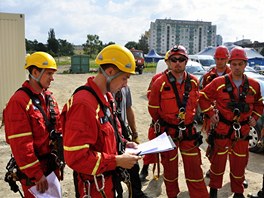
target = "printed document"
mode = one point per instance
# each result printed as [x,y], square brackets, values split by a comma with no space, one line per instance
[54,190]
[159,144]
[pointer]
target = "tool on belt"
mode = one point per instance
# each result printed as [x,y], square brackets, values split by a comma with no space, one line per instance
[13,174]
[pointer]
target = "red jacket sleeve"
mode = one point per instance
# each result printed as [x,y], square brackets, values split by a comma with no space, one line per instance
[89,146]
[19,134]
[207,95]
[154,100]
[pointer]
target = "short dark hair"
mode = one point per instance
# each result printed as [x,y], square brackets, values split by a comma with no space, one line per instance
[106,66]
[30,68]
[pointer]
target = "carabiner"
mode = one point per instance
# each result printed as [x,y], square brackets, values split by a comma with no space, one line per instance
[157,127]
[96,183]
[181,126]
[87,189]
[236,126]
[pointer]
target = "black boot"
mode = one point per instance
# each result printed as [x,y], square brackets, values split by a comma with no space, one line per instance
[213,193]
[238,195]
[245,183]
[144,173]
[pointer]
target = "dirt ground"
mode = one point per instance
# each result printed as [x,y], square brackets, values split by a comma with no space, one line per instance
[63,87]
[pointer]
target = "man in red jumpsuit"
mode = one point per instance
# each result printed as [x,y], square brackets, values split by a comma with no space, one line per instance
[152,158]
[221,59]
[172,105]
[91,131]
[25,126]
[238,102]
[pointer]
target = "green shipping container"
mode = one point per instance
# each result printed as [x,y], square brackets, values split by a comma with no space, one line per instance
[80,64]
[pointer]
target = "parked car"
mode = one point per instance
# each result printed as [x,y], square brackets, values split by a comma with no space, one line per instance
[192,67]
[249,71]
[255,132]
[205,60]
[259,69]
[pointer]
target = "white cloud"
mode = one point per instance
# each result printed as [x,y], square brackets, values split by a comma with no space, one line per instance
[122,21]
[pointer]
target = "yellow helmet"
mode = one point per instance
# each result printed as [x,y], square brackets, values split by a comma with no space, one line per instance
[41,60]
[119,56]
[167,55]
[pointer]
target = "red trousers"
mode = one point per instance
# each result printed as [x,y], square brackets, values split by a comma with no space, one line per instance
[238,159]
[150,158]
[191,157]
[85,187]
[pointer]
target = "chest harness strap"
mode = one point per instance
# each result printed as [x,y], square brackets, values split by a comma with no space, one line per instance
[237,107]
[50,123]
[123,173]
[212,76]
[181,104]
[56,138]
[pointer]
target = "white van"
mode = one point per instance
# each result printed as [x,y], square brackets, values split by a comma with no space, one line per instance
[205,60]
[162,66]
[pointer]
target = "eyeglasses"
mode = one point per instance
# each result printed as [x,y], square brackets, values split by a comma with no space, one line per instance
[174,60]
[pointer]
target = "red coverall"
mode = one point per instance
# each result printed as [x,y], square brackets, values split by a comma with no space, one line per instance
[89,142]
[151,158]
[27,135]
[212,74]
[207,78]
[163,105]
[236,149]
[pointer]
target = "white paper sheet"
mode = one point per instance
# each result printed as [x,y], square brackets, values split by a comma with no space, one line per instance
[159,144]
[54,190]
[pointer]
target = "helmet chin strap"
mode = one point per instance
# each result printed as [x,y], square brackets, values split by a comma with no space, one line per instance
[109,78]
[38,78]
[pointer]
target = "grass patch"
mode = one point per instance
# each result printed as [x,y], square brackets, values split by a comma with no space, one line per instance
[65,61]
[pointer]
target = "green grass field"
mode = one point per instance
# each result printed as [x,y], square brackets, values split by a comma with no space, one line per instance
[66,61]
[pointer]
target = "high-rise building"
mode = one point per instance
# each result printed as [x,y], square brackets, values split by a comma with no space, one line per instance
[219,40]
[194,35]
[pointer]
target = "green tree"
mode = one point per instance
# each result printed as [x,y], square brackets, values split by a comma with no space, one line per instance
[29,46]
[32,46]
[143,44]
[65,48]
[131,44]
[41,47]
[53,44]
[93,45]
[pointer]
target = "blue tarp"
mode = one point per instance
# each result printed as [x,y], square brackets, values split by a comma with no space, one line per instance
[152,56]
[254,58]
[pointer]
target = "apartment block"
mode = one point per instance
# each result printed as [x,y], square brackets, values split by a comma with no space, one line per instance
[194,35]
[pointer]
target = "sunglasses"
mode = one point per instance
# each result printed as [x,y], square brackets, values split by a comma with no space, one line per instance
[174,60]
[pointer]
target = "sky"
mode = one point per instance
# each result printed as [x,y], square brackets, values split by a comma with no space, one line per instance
[121,21]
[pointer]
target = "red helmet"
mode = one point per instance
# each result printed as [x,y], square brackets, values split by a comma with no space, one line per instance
[178,50]
[238,53]
[221,52]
